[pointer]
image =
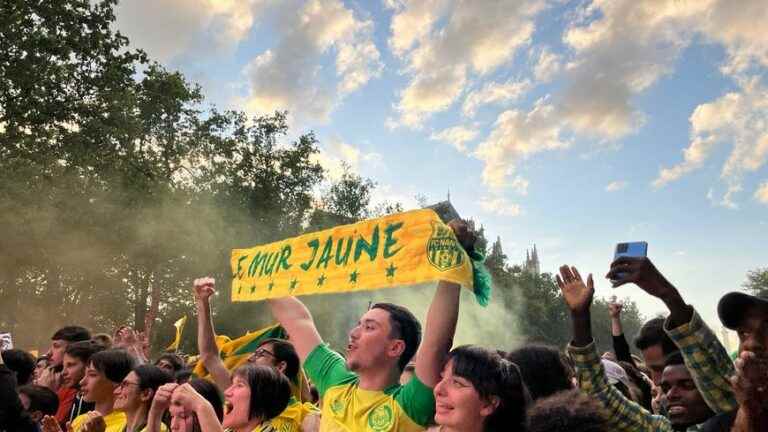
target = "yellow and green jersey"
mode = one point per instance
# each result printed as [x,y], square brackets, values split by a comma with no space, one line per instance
[347,407]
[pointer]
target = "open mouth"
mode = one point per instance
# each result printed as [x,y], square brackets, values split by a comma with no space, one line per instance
[227,407]
[676,410]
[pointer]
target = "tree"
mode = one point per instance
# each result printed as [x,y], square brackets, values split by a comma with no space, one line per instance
[757,282]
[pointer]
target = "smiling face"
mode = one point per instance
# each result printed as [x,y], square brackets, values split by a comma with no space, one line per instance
[96,387]
[458,405]
[73,371]
[370,342]
[237,403]
[128,394]
[685,406]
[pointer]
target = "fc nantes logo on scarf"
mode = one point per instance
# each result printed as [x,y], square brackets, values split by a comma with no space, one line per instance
[443,250]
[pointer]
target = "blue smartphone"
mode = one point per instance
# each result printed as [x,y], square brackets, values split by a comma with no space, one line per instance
[630,249]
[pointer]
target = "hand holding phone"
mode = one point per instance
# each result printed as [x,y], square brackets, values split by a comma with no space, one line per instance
[629,249]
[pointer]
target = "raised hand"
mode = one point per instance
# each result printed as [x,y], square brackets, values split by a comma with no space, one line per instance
[577,295]
[750,384]
[187,397]
[204,288]
[464,234]
[615,308]
[641,272]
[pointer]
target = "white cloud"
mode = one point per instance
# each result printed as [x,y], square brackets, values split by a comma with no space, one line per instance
[618,49]
[519,185]
[291,76]
[736,118]
[761,194]
[477,38]
[412,21]
[499,206]
[494,93]
[517,135]
[616,186]
[457,136]
[168,29]
[548,64]
[333,156]
[741,30]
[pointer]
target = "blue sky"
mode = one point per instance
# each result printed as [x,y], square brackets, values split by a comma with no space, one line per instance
[570,124]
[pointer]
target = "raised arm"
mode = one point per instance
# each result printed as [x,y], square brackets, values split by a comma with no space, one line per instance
[442,317]
[295,318]
[620,345]
[623,414]
[704,354]
[438,334]
[204,288]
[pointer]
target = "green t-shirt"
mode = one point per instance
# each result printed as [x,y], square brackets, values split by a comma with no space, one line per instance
[347,407]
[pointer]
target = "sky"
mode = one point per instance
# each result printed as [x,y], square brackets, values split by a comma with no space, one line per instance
[572,125]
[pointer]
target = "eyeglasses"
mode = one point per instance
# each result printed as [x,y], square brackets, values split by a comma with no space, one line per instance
[261,352]
[123,384]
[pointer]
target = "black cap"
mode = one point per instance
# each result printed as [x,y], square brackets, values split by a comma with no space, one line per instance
[733,305]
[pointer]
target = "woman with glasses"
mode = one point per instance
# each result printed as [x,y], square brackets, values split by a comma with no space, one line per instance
[479,391]
[135,393]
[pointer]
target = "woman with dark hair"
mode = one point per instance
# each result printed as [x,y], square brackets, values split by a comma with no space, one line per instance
[178,400]
[135,393]
[257,395]
[480,392]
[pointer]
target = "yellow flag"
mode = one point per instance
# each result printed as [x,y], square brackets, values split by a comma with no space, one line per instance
[234,352]
[179,324]
[400,249]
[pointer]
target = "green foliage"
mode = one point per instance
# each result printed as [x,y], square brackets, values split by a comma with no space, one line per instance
[757,282]
[118,186]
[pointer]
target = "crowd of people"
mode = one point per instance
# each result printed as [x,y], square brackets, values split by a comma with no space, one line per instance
[393,376]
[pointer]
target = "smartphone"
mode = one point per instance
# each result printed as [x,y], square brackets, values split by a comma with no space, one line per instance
[630,249]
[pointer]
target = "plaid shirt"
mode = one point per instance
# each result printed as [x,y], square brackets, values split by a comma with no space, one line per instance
[707,362]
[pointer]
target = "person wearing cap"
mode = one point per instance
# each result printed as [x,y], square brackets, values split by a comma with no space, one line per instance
[748,316]
[694,404]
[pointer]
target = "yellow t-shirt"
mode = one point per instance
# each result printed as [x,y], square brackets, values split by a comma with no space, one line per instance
[347,407]
[115,421]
